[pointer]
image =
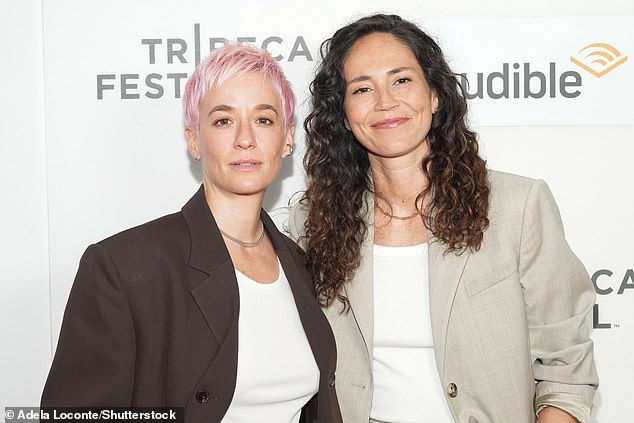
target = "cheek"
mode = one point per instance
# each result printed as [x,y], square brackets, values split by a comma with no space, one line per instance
[208,149]
[276,142]
[358,109]
[276,163]
[349,109]
[216,142]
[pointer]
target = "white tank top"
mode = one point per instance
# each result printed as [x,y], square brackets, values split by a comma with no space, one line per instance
[407,387]
[277,372]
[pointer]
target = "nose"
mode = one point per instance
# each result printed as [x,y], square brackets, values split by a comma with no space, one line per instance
[245,137]
[385,99]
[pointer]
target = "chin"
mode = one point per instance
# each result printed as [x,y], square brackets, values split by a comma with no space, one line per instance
[391,154]
[249,190]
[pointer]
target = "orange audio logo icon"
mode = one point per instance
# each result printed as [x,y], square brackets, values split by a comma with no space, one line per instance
[599,58]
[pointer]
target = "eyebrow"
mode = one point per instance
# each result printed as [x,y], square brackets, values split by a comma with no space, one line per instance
[220,108]
[390,72]
[227,108]
[266,107]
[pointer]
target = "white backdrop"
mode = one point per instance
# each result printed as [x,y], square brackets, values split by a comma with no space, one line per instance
[90,100]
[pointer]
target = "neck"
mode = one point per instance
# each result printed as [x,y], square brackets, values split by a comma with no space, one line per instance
[238,215]
[398,182]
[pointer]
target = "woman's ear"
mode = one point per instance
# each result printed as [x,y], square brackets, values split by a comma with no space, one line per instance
[288,140]
[192,143]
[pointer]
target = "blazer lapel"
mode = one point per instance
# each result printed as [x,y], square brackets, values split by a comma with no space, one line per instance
[360,290]
[445,271]
[214,288]
[217,298]
[313,320]
[217,294]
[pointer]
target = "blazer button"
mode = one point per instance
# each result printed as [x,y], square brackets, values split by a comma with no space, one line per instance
[452,390]
[202,396]
[331,379]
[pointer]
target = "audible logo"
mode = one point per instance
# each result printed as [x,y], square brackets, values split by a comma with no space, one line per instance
[599,59]
[526,80]
[526,83]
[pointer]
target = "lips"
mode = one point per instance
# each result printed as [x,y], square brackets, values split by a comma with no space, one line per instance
[390,123]
[245,164]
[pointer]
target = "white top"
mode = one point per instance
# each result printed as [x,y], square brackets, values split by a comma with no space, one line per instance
[277,372]
[406,383]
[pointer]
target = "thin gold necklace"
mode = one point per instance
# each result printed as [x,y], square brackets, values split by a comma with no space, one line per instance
[392,216]
[244,243]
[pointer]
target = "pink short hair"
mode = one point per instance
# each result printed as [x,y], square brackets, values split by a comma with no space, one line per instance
[231,61]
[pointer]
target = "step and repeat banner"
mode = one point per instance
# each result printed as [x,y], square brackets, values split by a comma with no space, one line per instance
[116,152]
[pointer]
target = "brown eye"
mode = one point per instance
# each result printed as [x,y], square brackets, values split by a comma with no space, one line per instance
[265,121]
[361,90]
[222,122]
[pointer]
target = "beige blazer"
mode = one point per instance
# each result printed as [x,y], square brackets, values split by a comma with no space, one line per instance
[510,322]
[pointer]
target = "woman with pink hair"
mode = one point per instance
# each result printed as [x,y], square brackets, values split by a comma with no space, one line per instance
[211,308]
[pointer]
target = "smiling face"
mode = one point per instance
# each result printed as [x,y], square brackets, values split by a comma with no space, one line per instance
[242,137]
[388,102]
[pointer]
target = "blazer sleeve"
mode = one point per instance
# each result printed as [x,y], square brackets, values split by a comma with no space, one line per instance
[559,299]
[297,217]
[94,362]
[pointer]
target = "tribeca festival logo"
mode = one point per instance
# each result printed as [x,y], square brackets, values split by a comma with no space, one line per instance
[599,59]
[178,51]
[608,282]
[532,81]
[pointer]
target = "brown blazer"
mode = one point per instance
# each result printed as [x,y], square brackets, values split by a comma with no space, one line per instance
[152,320]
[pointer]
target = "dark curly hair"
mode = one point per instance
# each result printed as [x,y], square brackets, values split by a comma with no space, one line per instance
[337,165]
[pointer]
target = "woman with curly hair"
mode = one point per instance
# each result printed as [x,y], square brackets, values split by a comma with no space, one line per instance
[451,290]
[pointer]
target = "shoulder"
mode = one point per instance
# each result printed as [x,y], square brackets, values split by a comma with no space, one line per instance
[295,250]
[515,203]
[162,228]
[156,238]
[134,262]
[297,218]
[508,185]
[520,208]
[510,192]
[299,211]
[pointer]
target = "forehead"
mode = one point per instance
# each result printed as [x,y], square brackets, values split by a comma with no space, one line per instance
[375,52]
[248,88]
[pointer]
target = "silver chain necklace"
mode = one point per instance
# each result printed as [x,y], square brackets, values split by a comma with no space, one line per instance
[243,243]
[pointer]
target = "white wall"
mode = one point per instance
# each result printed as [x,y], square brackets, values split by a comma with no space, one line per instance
[92,168]
[25,324]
